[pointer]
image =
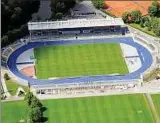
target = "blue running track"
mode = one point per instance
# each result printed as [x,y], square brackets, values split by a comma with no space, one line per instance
[145,56]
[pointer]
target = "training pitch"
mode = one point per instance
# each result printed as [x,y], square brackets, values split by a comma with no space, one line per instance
[105,109]
[79,60]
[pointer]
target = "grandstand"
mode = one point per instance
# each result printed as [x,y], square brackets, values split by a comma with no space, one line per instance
[8,50]
[76,27]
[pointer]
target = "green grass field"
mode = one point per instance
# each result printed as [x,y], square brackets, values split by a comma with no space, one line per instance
[13,112]
[106,109]
[156,100]
[79,60]
[13,87]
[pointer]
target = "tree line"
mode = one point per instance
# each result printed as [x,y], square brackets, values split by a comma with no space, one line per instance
[151,21]
[15,14]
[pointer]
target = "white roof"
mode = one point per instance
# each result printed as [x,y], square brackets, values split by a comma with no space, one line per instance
[75,23]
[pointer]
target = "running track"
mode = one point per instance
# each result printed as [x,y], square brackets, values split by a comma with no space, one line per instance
[145,56]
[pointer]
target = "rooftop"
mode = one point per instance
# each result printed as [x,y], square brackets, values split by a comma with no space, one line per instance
[75,23]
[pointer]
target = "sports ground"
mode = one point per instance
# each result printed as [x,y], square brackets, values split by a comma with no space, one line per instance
[79,60]
[106,109]
[106,53]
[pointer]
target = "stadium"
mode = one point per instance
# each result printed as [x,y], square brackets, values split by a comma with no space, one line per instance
[78,55]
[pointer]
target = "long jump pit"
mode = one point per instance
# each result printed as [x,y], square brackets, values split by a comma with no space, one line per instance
[118,7]
[28,71]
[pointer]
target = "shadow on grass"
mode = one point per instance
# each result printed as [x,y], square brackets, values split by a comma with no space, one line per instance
[44,109]
[45,119]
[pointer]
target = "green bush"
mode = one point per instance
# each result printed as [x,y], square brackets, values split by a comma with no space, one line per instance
[142,24]
[3,97]
[149,28]
[126,17]
[6,76]
[136,16]
[99,4]
[59,15]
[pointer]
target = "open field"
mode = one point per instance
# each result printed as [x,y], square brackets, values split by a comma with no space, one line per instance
[156,100]
[105,109]
[79,60]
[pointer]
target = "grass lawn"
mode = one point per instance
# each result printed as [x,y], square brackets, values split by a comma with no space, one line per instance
[13,87]
[13,112]
[79,60]
[106,109]
[156,100]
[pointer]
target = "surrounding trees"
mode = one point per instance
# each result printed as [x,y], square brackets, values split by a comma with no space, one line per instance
[132,17]
[155,24]
[60,7]
[59,15]
[151,22]
[35,114]
[154,9]
[136,16]
[15,15]
[126,17]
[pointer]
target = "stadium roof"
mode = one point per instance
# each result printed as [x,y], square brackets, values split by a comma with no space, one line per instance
[75,23]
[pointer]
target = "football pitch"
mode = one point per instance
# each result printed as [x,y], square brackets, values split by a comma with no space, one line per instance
[105,109]
[79,60]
